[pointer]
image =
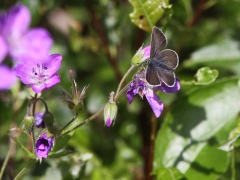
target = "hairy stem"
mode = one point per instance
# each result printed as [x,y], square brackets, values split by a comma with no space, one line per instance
[124,77]
[70,122]
[151,149]
[9,153]
[25,169]
[86,121]
[6,159]
[233,170]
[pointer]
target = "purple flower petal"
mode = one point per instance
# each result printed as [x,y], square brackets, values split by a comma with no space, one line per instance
[108,122]
[130,93]
[3,49]
[16,21]
[22,71]
[39,120]
[43,146]
[166,89]
[55,79]
[53,63]
[146,52]
[7,77]
[153,100]
[38,88]
[35,44]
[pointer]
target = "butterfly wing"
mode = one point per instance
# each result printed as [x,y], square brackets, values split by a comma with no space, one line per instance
[158,42]
[169,58]
[162,64]
[165,65]
[152,75]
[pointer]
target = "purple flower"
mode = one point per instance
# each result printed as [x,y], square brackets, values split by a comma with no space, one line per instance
[40,75]
[140,86]
[39,122]
[7,77]
[19,41]
[44,145]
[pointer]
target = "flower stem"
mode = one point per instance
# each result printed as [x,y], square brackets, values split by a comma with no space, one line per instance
[9,153]
[34,105]
[68,123]
[233,170]
[24,170]
[85,121]
[33,141]
[122,91]
[6,159]
[124,77]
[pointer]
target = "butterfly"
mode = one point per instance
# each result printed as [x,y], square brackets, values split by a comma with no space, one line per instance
[162,63]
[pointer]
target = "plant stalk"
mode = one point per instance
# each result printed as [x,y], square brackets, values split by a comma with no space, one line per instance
[124,77]
[24,170]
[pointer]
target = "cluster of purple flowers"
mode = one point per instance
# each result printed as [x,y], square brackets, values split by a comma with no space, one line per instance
[29,50]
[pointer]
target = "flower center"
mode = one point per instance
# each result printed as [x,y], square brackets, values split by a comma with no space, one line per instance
[39,74]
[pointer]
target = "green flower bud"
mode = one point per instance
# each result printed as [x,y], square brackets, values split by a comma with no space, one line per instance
[71,105]
[141,56]
[48,119]
[78,107]
[110,113]
[29,123]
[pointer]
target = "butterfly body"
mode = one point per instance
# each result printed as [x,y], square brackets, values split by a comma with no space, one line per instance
[162,63]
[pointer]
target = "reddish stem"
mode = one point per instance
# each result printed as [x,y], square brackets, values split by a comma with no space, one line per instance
[102,35]
[197,14]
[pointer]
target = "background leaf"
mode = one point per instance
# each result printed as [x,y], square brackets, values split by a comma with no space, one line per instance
[206,76]
[194,129]
[169,174]
[147,13]
[224,54]
[233,140]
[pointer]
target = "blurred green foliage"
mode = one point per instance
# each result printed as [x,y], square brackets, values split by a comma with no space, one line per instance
[97,40]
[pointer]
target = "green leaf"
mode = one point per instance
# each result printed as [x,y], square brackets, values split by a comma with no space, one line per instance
[225,54]
[61,142]
[169,174]
[206,76]
[28,153]
[232,140]
[194,129]
[146,13]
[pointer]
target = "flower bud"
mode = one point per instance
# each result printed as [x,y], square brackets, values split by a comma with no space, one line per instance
[39,120]
[141,56]
[48,119]
[110,113]
[29,123]
[78,107]
[71,105]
